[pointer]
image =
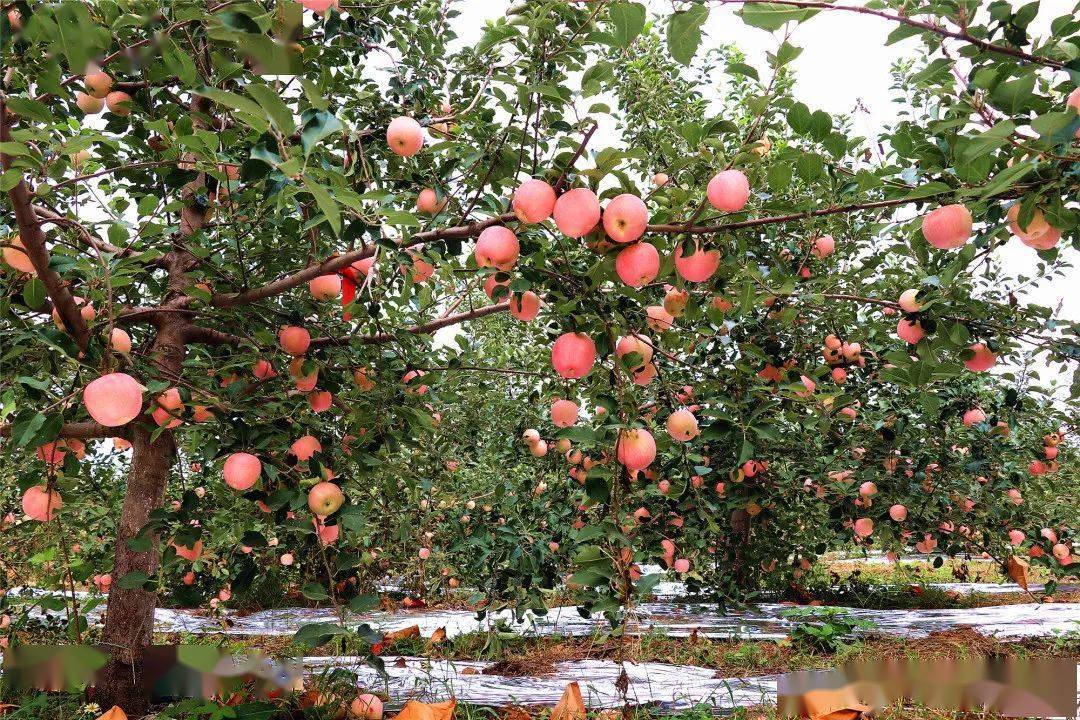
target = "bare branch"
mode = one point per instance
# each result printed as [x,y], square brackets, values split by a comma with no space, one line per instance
[425,329]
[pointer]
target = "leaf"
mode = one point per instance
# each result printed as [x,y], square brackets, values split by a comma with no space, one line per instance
[10,179]
[416,710]
[113,713]
[232,100]
[1018,570]
[314,591]
[773,17]
[629,20]
[412,631]
[30,109]
[317,125]
[902,32]
[133,580]
[779,176]
[364,603]
[1006,179]
[24,431]
[34,293]
[1012,96]
[684,33]
[315,96]
[326,203]
[439,636]
[786,54]
[495,35]
[570,705]
[315,634]
[276,109]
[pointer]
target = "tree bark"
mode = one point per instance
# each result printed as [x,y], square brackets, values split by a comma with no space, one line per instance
[129,619]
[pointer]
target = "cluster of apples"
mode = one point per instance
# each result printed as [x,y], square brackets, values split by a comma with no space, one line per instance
[1049,464]
[840,354]
[99,94]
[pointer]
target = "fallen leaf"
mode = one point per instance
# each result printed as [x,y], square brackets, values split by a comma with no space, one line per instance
[570,705]
[1018,571]
[439,636]
[413,631]
[409,603]
[113,713]
[515,712]
[470,671]
[400,663]
[416,710]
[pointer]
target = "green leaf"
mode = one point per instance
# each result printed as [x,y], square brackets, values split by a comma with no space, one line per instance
[773,17]
[34,293]
[25,429]
[314,591]
[1012,96]
[10,179]
[364,603]
[786,54]
[314,95]
[315,634]
[232,100]
[779,176]
[902,32]
[1006,179]
[317,125]
[495,35]
[684,32]
[629,20]
[276,109]
[133,580]
[30,109]
[326,203]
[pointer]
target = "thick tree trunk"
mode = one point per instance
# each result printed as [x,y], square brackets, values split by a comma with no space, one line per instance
[129,620]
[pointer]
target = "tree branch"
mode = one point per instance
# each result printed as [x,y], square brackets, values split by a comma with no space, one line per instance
[88,430]
[425,329]
[344,260]
[48,215]
[33,240]
[561,182]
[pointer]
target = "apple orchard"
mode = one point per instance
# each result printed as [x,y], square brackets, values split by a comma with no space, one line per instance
[724,335]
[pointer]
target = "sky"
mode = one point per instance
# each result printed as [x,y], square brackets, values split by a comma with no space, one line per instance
[845,64]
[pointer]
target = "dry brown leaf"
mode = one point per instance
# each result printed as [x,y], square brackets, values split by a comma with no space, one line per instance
[413,631]
[1018,571]
[113,713]
[570,705]
[439,636]
[416,710]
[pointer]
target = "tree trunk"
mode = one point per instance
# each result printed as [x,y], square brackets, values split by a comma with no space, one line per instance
[129,619]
